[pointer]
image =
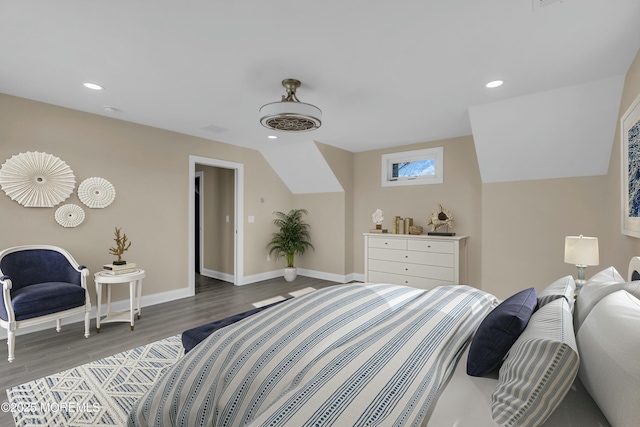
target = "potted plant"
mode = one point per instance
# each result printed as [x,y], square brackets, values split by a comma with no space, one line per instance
[293,238]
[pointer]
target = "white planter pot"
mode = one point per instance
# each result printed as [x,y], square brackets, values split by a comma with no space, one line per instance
[290,274]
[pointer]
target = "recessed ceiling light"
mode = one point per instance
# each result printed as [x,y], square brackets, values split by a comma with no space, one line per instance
[272,137]
[93,86]
[494,83]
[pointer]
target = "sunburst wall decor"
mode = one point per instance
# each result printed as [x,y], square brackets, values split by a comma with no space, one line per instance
[96,192]
[36,179]
[69,215]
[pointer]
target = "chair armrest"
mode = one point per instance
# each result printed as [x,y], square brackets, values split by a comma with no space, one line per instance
[6,282]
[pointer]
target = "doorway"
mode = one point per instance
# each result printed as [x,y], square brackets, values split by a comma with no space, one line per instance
[238,213]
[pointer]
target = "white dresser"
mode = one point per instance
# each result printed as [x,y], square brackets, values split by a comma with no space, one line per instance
[421,261]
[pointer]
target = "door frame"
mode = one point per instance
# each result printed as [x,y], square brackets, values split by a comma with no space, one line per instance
[238,261]
[200,226]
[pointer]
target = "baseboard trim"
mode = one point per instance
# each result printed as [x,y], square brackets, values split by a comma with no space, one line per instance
[332,277]
[225,277]
[122,305]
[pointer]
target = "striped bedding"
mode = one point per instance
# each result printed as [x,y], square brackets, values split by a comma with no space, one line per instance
[351,355]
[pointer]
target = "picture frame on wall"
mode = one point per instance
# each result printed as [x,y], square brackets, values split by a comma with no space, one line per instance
[630,169]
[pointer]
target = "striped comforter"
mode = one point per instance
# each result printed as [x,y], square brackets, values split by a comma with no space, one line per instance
[352,355]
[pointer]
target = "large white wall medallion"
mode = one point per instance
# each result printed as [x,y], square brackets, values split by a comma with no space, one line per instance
[36,179]
[69,215]
[96,192]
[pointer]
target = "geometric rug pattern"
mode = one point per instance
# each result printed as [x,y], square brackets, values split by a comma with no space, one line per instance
[99,393]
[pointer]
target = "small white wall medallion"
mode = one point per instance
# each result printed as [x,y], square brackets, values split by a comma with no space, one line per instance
[36,179]
[69,215]
[96,192]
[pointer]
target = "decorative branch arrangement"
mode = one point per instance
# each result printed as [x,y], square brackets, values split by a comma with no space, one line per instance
[122,244]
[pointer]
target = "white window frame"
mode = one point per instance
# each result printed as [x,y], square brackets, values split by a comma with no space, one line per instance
[436,153]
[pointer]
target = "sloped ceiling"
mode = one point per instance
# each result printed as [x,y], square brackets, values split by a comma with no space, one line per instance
[553,134]
[302,168]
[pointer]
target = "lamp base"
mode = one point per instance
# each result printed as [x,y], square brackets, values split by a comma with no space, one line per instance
[580,281]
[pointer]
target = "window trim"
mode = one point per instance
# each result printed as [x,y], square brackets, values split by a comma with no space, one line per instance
[436,153]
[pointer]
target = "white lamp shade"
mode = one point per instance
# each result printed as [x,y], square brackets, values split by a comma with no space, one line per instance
[580,250]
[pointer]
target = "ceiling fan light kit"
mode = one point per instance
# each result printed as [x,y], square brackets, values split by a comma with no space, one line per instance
[289,114]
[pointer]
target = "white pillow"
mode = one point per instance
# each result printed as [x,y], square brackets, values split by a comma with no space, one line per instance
[596,288]
[609,345]
[565,287]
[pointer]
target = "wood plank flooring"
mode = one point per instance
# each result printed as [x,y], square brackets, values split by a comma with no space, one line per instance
[46,352]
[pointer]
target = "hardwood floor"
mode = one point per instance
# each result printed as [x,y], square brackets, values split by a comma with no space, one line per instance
[46,352]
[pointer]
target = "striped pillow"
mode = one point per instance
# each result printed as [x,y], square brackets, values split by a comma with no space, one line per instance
[564,287]
[539,369]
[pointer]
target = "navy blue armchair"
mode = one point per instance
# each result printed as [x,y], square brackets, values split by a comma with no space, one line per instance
[41,283]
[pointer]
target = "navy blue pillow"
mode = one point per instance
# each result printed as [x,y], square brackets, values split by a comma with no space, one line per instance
[498,331]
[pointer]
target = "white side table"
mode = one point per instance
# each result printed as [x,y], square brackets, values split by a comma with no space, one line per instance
[134,279]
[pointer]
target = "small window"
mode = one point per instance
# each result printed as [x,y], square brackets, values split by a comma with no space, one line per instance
[413,167]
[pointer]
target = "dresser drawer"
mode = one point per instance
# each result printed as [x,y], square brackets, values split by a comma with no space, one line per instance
[416,270]
[431,246]
[399,279]
[425,258]
[381,242]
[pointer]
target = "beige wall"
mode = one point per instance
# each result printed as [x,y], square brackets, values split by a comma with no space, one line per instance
[149,170]
[460,193]
[523,229]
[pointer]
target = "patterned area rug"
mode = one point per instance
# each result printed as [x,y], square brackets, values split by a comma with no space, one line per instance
[100,393]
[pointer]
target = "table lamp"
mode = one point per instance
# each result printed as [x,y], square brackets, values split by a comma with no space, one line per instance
[582,252]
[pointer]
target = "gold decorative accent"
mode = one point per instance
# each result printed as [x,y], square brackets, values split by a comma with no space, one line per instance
[122,244]
[415,229]
[439,219]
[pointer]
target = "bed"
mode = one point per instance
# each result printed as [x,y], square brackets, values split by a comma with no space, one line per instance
[380,354]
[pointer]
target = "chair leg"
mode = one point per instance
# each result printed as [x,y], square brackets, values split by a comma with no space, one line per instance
[11,341]
[58,325]
[87,323]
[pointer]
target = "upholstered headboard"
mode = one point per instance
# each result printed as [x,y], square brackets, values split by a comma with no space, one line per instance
[634,269]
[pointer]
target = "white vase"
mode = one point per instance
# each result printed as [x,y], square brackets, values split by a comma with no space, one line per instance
[290,274]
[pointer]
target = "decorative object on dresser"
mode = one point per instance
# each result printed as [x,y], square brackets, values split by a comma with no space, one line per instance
[377,218]
[581,251]
[415,260]
[415,229]
[439,219]
[37,180]
[630,170]
[401,225]
[293,238]
[122,244]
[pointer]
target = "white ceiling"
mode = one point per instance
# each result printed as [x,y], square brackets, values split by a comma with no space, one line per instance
[384,73]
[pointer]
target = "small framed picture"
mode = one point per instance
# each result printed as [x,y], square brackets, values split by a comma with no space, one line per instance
[630,169]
